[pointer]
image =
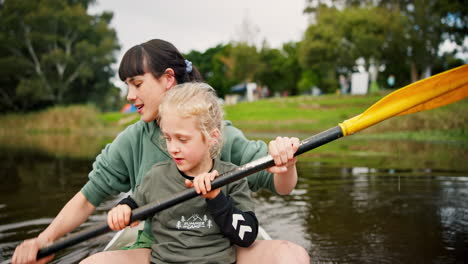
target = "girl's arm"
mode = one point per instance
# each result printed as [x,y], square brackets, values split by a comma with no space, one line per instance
[73,214]
[241,227]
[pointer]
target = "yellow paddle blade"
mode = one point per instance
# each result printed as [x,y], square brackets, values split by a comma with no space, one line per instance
[438,90]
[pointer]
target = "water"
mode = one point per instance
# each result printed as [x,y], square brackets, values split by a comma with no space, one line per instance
[358,215]
[341,211]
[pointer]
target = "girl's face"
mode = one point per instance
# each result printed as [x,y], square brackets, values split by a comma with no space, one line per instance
[146,91]
[186,145]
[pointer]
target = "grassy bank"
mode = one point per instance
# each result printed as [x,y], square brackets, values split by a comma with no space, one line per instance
[298,115]
[436,139]
[309,115]
[58,119]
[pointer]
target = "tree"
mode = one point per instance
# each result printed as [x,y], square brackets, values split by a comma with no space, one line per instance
[271,70]
[61,54]
[211,66]
[428,24]
[279,70]
[340,37]
[431,22]
[224,66]
[446,61]
[240,58]
[242,62]
[374,34]
[292,68]
[323,49]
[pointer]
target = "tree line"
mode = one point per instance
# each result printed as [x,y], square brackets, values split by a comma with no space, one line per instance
[402,38]
[52,52]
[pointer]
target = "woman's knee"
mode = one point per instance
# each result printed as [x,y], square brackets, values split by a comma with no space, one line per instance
[140,255]
[291,252]
[96,258]
[272,252]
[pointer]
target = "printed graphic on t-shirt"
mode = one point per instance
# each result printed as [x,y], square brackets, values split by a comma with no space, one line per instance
[194,222]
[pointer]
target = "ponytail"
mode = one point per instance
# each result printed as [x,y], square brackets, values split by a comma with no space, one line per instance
[193,75]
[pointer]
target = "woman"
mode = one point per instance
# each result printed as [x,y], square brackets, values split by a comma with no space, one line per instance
[150,69]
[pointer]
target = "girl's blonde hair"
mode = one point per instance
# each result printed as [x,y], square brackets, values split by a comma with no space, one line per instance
[199,100]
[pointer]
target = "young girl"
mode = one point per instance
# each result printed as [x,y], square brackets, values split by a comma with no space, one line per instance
[150,70]
[198,230]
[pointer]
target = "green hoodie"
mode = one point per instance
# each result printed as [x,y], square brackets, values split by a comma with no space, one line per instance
[123,163]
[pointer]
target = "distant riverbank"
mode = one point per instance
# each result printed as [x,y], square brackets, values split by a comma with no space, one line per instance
[439,135]
[298,115]
[307,115]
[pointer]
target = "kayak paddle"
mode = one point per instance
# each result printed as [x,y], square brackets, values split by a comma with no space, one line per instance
[436,91]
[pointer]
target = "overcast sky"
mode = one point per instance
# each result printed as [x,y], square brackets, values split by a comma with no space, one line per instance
[201,24]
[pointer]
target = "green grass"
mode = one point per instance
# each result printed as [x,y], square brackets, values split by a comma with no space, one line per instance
[294,115]
[310,115]
[111,117]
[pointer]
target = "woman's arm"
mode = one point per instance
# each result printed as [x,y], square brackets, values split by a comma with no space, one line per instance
[73,214]
[111,175]
[285,182]
[239,150]
[282,150]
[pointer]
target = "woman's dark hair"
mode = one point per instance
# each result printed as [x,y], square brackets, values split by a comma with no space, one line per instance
[155,56]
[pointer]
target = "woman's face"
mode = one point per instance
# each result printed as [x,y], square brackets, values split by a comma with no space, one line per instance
[146,91]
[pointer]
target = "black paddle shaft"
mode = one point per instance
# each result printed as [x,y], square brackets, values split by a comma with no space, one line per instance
[228,177]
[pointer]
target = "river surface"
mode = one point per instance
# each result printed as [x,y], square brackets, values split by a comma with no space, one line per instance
[379,202]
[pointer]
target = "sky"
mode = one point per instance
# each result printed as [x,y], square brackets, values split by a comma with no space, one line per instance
[202,24]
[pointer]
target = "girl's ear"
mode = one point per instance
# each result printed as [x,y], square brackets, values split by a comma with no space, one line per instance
[171,81]
[214,136]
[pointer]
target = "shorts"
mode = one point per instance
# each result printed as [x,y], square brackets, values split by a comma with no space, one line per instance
[143,241]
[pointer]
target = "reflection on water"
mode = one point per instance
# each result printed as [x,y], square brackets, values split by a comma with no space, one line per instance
[361,215]
[339,213]
[35,187]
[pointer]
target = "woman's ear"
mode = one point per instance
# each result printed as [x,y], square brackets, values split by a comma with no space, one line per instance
[171,81]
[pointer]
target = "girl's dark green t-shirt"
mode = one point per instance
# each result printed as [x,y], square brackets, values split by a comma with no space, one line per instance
[187,232]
